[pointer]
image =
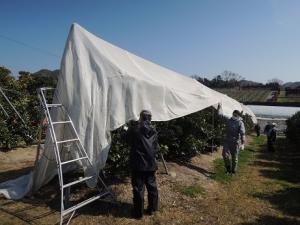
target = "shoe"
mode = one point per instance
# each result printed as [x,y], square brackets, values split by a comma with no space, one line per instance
[228,170]
[136,215]
[150,212]
[233,174]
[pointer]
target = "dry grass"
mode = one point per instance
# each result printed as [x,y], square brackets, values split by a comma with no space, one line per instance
[257,195]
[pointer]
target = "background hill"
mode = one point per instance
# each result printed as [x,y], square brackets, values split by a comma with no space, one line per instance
[46,73]
[292,85]
[245,83]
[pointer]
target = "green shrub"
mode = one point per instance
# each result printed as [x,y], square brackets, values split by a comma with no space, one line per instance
[248,123]
[192,134]
[293,128]
[22,94]
[8,138]
[180,138]
[118,157]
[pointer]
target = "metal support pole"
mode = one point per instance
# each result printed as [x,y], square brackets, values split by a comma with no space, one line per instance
[213,127]
[11,105]
[16,111]
[164,163]
[6,114]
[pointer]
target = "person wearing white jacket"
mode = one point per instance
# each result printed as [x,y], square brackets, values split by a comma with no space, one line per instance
[234,140]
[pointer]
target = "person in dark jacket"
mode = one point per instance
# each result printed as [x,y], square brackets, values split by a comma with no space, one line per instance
[267,128]
[142,137]
[257,129]
[271,136]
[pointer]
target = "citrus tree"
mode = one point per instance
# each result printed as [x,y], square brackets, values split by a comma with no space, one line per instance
[22,93]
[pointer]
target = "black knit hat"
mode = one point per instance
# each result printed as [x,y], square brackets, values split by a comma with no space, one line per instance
[145,115]
[237,112]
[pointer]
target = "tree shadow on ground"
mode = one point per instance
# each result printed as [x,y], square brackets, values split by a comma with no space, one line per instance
[266,164]
[286,200]
[108,208]
[81,192]
[13,174]
[283,164]
[271,220]
[48,198]
[196,168]
[282,168]
[24,212]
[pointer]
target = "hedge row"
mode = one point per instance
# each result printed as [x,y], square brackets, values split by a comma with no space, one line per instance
[179,139]
[293,128]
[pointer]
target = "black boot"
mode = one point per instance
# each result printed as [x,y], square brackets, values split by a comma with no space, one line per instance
[228,170]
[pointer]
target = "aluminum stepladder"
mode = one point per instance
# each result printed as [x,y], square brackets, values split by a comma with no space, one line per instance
[82,157]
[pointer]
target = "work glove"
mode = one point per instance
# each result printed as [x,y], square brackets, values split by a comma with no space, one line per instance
[242,146]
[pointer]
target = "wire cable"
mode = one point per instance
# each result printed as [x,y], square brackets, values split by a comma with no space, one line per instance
[29,46]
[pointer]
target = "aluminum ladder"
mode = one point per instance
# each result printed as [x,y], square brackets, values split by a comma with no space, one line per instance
[83,157]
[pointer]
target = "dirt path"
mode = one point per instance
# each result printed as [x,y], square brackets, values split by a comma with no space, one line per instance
[265,191]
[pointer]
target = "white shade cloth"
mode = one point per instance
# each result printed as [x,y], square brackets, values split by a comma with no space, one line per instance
[103,87]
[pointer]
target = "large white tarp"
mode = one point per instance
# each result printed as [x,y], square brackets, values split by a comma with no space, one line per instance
[103,87]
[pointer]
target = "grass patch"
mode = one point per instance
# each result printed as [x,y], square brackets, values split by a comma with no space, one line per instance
[219,174]
[258,141]
[190,191]
[244,157]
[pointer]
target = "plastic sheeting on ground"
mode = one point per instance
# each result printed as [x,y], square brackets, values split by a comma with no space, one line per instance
[103,87]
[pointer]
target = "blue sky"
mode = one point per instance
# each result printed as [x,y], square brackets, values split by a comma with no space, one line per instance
[258,39]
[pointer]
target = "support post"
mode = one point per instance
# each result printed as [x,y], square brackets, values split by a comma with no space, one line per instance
[164,163]
[6,114]
[213,127]
[11,105]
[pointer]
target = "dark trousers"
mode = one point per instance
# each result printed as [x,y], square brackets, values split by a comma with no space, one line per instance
[257,133]
[271,146]
[230,148]
[139,180]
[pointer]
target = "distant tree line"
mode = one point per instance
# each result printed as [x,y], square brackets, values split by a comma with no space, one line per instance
[229,79]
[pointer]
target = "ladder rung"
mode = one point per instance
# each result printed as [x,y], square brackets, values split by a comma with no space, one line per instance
[73,160]
[61,122]
[77,181]
[81,204]
[53,105]
[46,88]
[70,140]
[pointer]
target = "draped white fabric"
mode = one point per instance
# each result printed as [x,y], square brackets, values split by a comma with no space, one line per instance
[103,87]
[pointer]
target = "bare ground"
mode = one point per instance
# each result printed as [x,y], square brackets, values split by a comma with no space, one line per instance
[265,191]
